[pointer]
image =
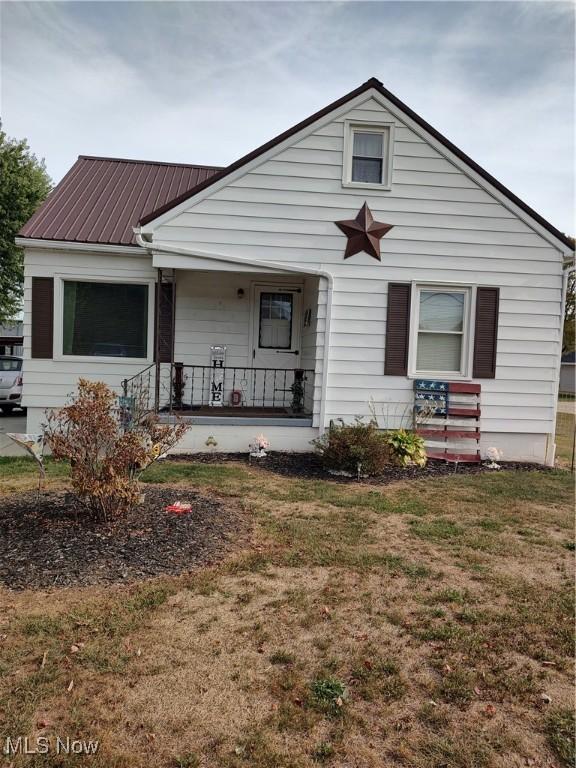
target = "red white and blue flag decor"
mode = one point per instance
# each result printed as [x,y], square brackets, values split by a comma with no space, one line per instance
[447,415]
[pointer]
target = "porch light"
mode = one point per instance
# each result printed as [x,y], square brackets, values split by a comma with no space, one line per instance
[240,293]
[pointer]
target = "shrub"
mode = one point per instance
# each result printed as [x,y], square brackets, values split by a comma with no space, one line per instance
[106,456]
[406,447]
[356,448]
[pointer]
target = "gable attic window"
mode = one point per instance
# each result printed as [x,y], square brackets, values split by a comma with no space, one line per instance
[368,155]
[105,320]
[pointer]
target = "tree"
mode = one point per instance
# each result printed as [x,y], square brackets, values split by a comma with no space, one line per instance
[24,184]
[569,313]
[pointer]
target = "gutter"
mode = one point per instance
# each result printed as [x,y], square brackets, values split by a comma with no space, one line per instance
[151,247]
[70,245]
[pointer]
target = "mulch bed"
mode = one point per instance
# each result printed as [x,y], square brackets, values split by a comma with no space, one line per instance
[47,540]
[309,466]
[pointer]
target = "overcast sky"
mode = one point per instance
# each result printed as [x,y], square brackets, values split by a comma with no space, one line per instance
[207,82]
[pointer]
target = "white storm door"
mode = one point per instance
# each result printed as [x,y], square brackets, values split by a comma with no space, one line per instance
[276,327]
[276,337]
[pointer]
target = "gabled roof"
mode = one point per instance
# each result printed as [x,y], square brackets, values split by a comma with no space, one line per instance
[369,84]
[101,199]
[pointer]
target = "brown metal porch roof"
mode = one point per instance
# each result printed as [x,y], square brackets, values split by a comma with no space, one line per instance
[100,199]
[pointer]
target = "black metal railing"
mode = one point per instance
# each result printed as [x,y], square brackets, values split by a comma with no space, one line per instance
[181,388]
[198,386]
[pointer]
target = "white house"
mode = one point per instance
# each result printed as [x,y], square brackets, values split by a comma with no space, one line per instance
[323,274]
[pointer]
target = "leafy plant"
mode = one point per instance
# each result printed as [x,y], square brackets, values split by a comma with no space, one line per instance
[329,694]
[358,448]
[406,447]
[107,453]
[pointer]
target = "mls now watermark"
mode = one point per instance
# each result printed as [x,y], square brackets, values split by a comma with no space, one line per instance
[48,745]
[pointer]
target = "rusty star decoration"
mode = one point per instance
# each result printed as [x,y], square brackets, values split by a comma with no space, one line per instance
[363,233]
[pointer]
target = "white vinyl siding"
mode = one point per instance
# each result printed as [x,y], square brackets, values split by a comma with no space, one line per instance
[48,383]
[447,230]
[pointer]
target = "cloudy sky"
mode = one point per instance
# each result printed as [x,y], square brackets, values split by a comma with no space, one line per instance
[206,82]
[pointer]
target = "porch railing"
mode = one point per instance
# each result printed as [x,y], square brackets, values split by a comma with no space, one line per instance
[193,387]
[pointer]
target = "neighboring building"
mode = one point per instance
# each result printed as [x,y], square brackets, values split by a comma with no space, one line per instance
[324,312]
[12,339]
[568,374]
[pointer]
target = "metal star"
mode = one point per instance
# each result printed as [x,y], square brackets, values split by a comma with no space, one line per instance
[363,233]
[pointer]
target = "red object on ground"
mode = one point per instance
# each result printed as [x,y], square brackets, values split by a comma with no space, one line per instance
[179,507]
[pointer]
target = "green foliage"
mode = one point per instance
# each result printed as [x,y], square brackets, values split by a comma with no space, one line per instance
[407,447]
[24,185]
[355,448]
[328,694]
[560,729]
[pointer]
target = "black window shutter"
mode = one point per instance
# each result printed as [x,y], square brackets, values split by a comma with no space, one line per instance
[486,333]
[397,329]
[164,327]
[42,317]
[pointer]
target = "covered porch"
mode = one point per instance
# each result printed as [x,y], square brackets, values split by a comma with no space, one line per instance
[234,345]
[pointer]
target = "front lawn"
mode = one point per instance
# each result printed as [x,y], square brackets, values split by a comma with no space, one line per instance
[425,624]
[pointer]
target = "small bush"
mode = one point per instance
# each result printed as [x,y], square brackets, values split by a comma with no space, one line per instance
[106,458]
[406,447]
[358,448]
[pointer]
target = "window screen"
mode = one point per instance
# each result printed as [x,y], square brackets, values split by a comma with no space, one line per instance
[440,331]
[105,319]
[275,320]
[367,157]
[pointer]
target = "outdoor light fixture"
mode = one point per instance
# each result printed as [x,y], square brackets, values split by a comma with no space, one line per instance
[240,293]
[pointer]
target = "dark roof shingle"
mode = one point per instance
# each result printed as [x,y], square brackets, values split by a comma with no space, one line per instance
[100,199]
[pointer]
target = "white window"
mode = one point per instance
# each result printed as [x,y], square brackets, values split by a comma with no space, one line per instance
[439,344]
[104,320]
[368,155]
[275,320]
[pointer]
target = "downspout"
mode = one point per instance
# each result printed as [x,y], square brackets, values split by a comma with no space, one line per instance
[151,247]
[567,268]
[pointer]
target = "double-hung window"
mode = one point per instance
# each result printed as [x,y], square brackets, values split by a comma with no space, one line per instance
[367,160]
[102,319]
[440,331]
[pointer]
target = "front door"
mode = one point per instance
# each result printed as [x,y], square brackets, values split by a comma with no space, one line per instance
[276,336]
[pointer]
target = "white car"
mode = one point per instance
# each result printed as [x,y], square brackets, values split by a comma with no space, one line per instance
[10,383]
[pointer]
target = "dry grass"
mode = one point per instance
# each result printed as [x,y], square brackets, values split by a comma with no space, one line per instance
[564,438]
[416,625]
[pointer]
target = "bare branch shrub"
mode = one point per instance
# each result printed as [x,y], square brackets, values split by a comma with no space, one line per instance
[106,451]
